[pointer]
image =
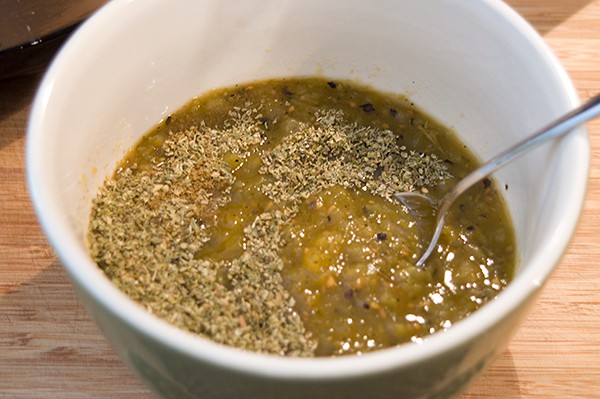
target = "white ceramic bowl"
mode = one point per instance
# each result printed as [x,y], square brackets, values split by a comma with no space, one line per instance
[474,65]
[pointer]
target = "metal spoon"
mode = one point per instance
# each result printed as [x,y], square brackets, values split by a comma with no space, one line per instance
[558,128]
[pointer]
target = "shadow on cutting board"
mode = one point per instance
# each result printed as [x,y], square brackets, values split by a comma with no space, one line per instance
[545,17]
[49,341]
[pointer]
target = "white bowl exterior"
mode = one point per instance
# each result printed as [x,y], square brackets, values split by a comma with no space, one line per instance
[475,66]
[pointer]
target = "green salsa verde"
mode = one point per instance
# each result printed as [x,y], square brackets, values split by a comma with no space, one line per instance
[263,216]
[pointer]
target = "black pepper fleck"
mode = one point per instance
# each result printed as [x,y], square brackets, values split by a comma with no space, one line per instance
[368,107]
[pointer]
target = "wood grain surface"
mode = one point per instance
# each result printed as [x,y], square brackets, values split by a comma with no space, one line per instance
[50,348]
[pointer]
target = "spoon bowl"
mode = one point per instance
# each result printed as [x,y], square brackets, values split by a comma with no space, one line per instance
[558,128]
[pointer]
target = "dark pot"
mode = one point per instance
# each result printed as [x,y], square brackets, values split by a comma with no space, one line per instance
[31,31]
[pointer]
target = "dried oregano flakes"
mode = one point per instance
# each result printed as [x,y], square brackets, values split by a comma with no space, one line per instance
[153,218]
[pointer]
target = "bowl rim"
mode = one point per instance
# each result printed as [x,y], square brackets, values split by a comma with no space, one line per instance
[85,274]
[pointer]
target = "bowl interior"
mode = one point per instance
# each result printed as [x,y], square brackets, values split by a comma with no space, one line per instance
[475,66]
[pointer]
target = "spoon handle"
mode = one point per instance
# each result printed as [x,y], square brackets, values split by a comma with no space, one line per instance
[558,128]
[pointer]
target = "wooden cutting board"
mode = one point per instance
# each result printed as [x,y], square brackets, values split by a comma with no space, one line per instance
[50,348]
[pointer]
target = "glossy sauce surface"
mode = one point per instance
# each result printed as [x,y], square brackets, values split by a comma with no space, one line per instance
[319,177]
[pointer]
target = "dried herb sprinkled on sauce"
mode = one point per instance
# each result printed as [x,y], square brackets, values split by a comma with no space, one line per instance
[262,216]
